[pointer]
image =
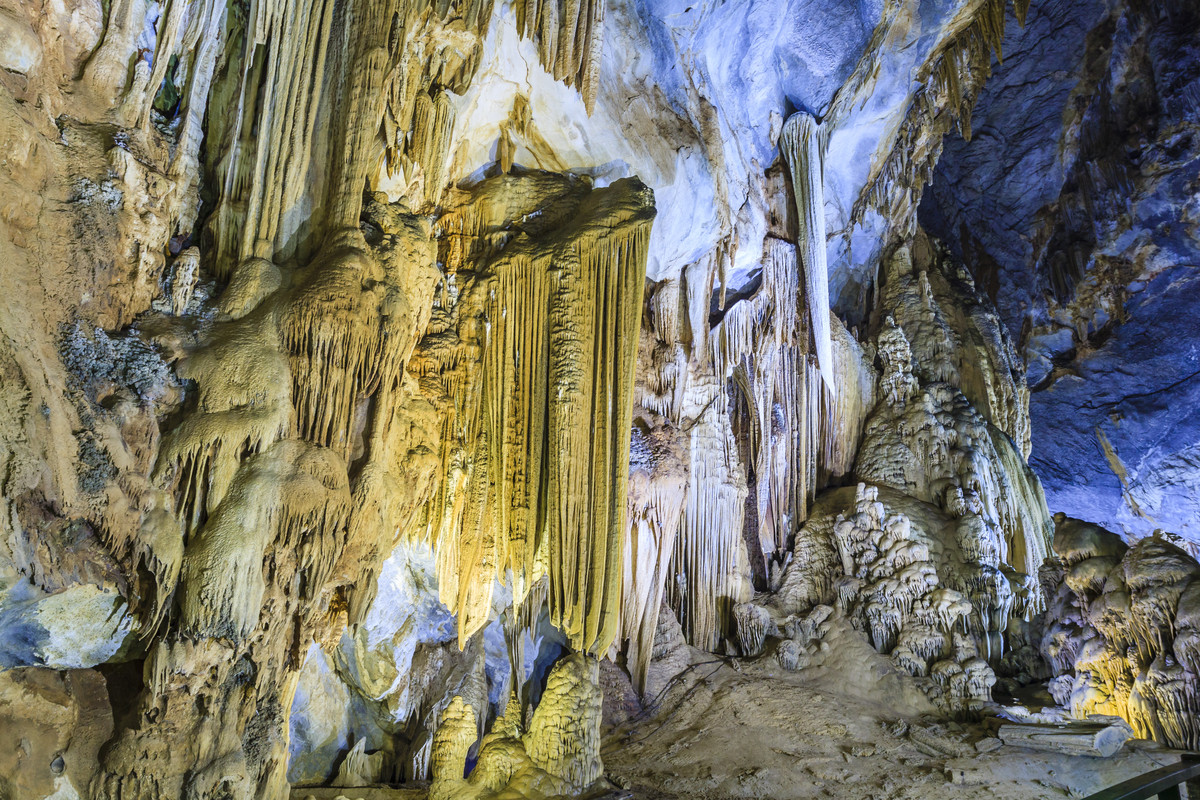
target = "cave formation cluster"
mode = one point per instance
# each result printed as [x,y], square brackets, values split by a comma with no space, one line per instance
[353,381]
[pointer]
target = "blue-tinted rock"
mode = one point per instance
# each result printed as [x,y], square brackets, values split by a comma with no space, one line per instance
[1075,204]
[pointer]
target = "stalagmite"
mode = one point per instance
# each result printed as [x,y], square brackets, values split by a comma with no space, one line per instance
[753,626]
[451,743]
[358,768]
[564,734]
[803,145]
[183,281]
[931,555]
[1121,643]
[709,560]
[962,462]
[559,754]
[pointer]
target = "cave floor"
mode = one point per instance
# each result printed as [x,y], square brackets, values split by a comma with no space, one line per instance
[849,727]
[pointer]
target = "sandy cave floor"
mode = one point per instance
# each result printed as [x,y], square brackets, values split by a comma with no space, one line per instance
[851,727]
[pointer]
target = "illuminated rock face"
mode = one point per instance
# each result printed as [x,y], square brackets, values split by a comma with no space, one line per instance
[533,375]
[1122,630]
[381,378]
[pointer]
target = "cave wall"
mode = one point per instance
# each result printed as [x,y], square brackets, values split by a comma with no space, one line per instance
[1074,203]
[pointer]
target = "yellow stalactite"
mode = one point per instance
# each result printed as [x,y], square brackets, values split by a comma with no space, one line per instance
[534,372]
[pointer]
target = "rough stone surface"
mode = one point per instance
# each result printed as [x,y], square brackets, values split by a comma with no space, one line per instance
[54,724]
[1074,203]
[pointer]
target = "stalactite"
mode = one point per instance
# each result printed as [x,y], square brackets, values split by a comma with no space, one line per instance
[432,124]
[353,147]
[794,436]
[592,372]
[843,413]
[307,447]
[205,39]
[340,338]
[663,358]
[568,35]
[251,540]
[289,491]
[709,559]
[243,405]
[803,145]
[947,85]
[107,71]
[758,344]
[699,280]
[1024,516]
[801,434]
[299,378]
[536,383]
[520,623]
[272,202]
[265,147]
[657,492]
[513,399]
[159,552]
[169,31]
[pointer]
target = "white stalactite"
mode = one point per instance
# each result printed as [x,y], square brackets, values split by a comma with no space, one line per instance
[802,142]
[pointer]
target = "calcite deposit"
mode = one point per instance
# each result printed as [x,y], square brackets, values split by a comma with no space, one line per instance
[407,398]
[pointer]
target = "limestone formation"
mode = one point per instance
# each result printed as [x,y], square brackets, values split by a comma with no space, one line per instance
[657,491]
[932,554]
[413,397]
[803,145]
[522,360]
[1122,633]
[558,754]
